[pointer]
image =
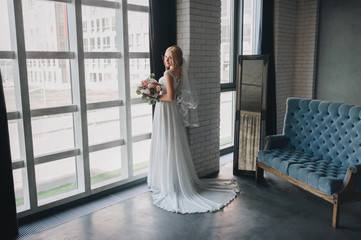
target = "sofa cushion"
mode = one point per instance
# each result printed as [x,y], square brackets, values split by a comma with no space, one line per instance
[281,159]
[318,173]
[321,174]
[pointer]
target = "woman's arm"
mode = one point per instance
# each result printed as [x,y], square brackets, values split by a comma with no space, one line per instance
[169,96]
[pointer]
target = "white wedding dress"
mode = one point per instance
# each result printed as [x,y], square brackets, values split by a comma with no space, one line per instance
[172,178]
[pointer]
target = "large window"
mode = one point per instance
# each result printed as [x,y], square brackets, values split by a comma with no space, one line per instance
[227,82]
[70,70]
[240,34]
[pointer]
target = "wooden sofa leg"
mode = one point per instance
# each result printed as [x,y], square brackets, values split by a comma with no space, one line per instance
[336,212]
[259,174]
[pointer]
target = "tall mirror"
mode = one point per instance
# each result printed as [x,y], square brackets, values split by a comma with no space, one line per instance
[250,112]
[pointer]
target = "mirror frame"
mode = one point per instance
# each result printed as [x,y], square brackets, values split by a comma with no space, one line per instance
[237,122]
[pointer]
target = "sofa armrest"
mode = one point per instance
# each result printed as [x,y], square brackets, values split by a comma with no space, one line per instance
[356,170]
[277,142]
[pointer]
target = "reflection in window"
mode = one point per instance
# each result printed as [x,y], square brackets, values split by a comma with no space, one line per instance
[4,27]
[141,119]
[113,24]
[226,123]
[131,39]
[141,158]
[14,139]
[139,2]
[45,91]
[105,166]
[98,89]
[103,125]
[99,19]
[7,74]
[251,27]
[225,40]
[20,197]
[52,133]
[139,70]
[55,178]
[39,18]
[138,28]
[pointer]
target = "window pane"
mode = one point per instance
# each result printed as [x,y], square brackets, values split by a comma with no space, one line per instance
[141,119]
[251,28]
[14,139]
[247,27]
[99,31]
[49,82]
[7,74]
[139,70]
[21,199]
[101,76]
[227,120]
[45,26]
[103,125]
[139,2]
[141,151]
[225,40]
[52,133]
[4,27]
[55,178]
[138,31]
[105,166]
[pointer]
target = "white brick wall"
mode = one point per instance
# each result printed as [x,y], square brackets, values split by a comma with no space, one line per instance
[198,34]
[305,51]
[296,29]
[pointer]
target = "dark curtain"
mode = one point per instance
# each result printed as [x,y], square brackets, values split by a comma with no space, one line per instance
[268,48]
[8,217]
[162,32]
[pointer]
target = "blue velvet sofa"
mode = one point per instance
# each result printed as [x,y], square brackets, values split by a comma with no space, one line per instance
[319,151]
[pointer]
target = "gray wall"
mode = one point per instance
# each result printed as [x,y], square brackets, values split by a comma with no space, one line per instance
[296,34]
[339,62]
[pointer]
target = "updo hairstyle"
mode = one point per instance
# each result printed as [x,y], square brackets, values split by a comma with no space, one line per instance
[177,54]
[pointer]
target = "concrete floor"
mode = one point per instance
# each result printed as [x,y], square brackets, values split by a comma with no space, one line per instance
[276,210]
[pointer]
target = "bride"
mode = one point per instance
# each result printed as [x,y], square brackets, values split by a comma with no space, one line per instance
[172,178]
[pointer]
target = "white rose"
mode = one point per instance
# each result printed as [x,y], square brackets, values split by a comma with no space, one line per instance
[150,85]
[159,88]
[155,95]
[147,91]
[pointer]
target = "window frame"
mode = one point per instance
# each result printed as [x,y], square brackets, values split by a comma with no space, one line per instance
[79,107]
[236,48]
[237,32]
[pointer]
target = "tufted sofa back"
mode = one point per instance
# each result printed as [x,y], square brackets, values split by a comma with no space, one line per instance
[328,130]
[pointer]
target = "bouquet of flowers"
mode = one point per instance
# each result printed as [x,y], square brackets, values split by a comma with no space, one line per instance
[150,89]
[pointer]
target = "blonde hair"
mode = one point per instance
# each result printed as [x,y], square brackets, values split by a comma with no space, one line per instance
[177,54]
